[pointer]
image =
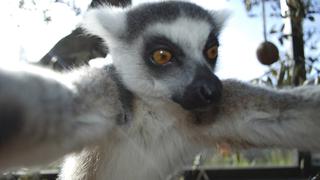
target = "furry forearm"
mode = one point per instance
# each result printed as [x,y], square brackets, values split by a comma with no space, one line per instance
[44,115]
[261,117]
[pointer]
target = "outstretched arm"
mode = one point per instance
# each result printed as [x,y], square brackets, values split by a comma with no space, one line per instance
[261,117]
[44,115]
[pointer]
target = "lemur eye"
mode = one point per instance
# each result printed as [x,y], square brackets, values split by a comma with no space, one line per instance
[212,52]
[161,56]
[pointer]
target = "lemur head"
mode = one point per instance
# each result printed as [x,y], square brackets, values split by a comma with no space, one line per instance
[164,50]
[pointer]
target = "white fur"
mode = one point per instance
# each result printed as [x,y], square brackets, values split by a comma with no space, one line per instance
[128,60]
[150,148]
[105,22]
[153,147]
[190,34]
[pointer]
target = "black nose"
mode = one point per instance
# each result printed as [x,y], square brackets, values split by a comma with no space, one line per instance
[202,92]
[206,93]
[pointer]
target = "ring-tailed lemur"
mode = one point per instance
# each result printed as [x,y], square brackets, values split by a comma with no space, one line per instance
[157,105]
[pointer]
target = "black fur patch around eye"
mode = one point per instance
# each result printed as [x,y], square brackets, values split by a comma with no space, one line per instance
[212,40]
[153,43]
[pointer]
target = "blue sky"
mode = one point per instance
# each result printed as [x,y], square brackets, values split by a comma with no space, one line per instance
[25,35]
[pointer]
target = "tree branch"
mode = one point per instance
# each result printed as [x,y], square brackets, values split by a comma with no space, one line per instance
[77,48]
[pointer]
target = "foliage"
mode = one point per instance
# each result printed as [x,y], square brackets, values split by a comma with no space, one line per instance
[282,73]
[43,6]
[254,158]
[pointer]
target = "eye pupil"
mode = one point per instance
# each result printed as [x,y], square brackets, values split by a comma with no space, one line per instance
[161,56]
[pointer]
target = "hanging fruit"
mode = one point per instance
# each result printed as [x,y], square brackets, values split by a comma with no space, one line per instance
[267,53]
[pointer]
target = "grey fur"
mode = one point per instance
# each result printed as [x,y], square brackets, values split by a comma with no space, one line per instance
[11,121]
[160,137]
[252,116]
[54,110]
[125,96]
[133,58]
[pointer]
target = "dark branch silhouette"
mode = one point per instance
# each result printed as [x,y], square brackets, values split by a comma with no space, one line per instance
[77,48]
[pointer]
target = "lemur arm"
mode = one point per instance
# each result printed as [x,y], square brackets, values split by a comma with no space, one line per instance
[261,117]
[44,115]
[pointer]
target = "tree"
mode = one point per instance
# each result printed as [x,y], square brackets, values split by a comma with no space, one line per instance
[296,67]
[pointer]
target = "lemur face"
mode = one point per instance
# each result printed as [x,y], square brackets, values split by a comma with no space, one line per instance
[164,50]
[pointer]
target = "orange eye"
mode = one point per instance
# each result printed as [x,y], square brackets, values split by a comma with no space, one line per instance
[212,52]
[161,56]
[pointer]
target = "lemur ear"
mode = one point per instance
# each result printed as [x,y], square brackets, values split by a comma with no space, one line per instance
[220,17]
[106,22]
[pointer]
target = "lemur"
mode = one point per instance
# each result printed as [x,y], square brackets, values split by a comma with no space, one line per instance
[148,113]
